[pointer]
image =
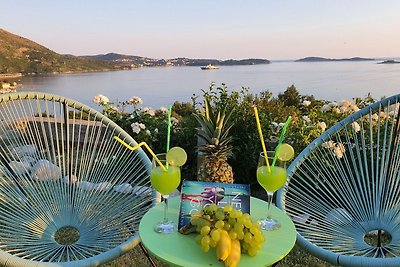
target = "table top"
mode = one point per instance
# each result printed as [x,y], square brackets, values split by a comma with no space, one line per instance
[182,250]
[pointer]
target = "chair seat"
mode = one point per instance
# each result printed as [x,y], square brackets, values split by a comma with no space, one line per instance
[343,189]
[70,195]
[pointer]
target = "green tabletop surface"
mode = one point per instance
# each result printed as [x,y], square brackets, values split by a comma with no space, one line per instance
[182,250]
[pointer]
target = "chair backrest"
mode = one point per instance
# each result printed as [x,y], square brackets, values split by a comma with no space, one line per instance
[343,190]
[70,194]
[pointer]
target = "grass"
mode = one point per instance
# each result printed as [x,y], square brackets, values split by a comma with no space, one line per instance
[296,258]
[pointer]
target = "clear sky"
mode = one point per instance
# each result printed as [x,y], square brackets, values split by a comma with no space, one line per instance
[221,29]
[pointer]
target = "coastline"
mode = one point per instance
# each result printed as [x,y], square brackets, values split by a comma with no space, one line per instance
[10,75]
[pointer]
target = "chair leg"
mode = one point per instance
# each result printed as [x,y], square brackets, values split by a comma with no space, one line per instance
[152,263]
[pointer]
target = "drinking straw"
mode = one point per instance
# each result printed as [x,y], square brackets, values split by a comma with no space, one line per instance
[261,138]
[289,119]
[169,129]
[146,146]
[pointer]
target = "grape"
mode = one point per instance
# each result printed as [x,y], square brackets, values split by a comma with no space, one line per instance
[238,226]
[219,214]
[205,230]
[219,224]
[248,238]
[228,208]
[240,235]
[252,251]
[227,226]
[213,243]
[212,219]
[232,234]
[215,235]
[213,207]
[205,240]
[205,248]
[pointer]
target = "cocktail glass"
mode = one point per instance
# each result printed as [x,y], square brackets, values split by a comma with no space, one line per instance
[271,180]
[165,183]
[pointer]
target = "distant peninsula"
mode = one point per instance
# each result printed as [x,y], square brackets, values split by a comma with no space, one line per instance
[391,61]
[323,59]
[129,61]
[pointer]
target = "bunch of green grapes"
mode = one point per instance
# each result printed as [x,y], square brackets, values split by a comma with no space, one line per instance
[211,220]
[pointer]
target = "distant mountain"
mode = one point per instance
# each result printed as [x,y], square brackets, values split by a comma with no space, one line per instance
[322,59]
[126,60]
[21,55]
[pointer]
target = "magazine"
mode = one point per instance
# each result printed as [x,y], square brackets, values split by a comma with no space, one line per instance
[195,195]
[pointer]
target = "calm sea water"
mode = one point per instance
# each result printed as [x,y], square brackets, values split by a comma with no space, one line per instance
[162,86]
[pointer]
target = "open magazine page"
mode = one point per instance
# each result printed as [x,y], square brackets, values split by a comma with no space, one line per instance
[195,195]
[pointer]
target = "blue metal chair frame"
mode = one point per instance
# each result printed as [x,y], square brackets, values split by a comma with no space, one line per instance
[61,167]
[343,190]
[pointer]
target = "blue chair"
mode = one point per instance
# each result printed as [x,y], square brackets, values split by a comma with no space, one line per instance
[343,190]
[70,195]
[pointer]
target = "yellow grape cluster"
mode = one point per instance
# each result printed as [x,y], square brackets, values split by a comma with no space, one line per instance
[216,225]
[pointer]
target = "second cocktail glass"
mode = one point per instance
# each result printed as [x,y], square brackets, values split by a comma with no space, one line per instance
[165,183]
[271,178]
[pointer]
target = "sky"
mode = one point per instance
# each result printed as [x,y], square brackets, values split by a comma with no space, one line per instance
[220,29]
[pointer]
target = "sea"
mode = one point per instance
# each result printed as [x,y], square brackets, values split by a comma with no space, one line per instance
[162,86]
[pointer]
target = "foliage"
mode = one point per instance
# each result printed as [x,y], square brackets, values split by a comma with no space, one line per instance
[310,118]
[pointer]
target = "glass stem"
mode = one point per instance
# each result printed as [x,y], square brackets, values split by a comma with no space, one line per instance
[270,196]
[165,208]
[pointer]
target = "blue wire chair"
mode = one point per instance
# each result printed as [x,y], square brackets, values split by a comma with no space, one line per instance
[343,190]
[70,195]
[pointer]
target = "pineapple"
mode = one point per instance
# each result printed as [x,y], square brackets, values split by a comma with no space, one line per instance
[216,148]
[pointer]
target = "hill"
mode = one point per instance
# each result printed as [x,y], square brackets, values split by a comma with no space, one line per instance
[21,55]
[322,59]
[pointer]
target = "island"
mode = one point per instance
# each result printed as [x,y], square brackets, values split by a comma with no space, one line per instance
[322,59]
[391,61]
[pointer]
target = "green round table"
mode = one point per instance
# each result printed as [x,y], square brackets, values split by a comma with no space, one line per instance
[182,250]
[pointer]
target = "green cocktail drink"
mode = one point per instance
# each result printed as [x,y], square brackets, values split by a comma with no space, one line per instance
[271,178]
[271,181]
[165,182]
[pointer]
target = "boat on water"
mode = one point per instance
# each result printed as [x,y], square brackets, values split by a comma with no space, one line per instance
[209,67]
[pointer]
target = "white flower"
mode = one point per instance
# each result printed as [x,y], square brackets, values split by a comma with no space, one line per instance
[174,120]
[356,126]
[322,125]
[333,104]
[135,100]
[354,108]
[137,127]
[339,150]
[343,109]
[307,119]
[325,108]
[163,109]
[275,124]
[149,111]
[328,144]
[101,99]
[345,103]
[156,130]
[148,132]
[336,110]
[306,103]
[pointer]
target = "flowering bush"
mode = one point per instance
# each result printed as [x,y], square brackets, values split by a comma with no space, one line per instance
[310,118]
[150,125]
